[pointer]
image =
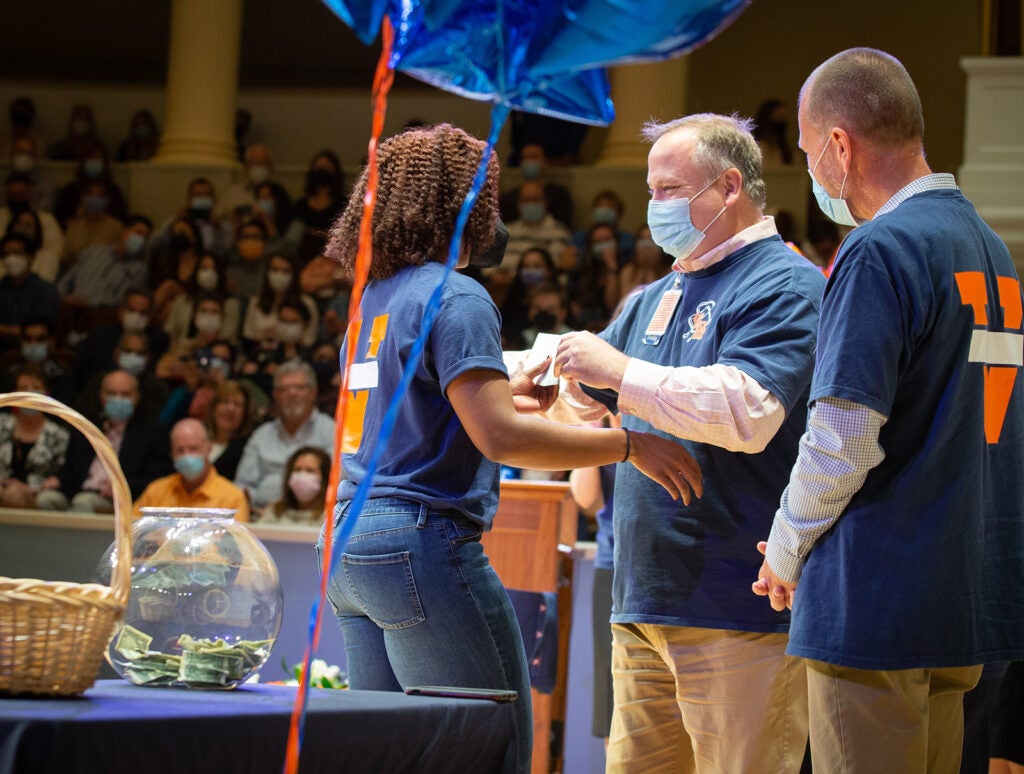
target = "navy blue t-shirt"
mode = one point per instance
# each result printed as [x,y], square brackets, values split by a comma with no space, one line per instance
[756,310]
[922,321]
[429,457]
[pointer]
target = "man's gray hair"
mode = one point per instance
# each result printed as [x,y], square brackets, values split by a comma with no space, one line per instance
[295,367]
[867,92]
[722,142]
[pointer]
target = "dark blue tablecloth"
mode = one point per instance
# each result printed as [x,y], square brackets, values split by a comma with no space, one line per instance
[117,727]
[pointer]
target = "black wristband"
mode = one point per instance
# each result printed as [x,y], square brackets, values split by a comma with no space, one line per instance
[626,458]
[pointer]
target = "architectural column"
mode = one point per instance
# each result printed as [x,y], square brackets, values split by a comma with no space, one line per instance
[642,92]
[202,83]
[992,175]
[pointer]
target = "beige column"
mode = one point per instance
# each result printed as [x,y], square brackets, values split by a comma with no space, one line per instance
[642,92]
[202,82]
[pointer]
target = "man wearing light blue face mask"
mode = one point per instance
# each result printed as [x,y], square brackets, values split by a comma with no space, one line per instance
[196,483]
[718,354]
[902,520]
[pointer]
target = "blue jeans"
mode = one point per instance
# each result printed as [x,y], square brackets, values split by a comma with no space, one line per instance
[419,604]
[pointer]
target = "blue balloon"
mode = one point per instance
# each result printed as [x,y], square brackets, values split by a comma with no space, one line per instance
[539,56]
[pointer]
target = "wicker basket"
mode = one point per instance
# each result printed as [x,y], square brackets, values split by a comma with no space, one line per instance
[53,635]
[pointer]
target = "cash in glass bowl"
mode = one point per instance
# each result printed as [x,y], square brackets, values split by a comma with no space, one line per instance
[205,602]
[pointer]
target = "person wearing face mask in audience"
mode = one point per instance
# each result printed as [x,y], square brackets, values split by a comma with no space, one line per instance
[24,294]
[93,225]
[205,329]
[195,482]
[143,138]
[209,278]
[104,273]
[279,344]
[273,207]
[607,209]
[24,160]
[536,267]
[247,260]
[22,112]
[593,284]
[39,349]
[20,216]
[280,283]
[94,351]
[140,443]
[200,207]
[133,356]
[533,166]
[93,167]
[32,450]
[173,273]
[719,354]
[323,201]
[548,310]
[306,474]
[534,227]
[649,263]
[240,197]
[80,137]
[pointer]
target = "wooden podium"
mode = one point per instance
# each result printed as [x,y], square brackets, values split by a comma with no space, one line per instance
[534,518]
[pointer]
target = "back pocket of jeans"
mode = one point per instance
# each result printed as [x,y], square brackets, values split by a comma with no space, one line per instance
[385,589]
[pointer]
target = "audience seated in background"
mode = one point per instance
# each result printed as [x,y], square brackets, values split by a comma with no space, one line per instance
[131,354]
[81,135]
[200,208]
[195,482]
[172,272]
[649,263]
[143,138]
[535,227]
[24,295]
[40,228]
[593,283]
[203,371]
[247,259]
[548,312]
[273,207]
[205,329]
[140,442]
[22,113]
[95,352]
[326,365]
[297,423]
[24,160]
[279,344]
[240,197]
[39,349]
[102,274]
[32,450]
[92,225]
[93,167]
[324,198]
[304,493]
[607,209]
[209,278]
[280,284]
[536,267]
[229,421]
[533,167]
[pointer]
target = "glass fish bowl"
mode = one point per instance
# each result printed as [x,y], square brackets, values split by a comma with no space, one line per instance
[205,603]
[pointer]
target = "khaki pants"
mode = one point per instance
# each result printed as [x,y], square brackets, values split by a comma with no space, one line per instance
[705,700]
[905,720]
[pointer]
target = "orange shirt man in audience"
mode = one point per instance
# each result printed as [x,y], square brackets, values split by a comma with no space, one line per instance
[196,483]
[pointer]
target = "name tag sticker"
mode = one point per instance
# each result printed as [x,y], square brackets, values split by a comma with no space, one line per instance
[662,315]
[362,376]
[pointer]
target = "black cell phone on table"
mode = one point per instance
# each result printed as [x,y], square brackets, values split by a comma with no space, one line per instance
[458,692]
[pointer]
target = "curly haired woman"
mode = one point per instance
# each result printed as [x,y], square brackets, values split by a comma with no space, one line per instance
[416,597]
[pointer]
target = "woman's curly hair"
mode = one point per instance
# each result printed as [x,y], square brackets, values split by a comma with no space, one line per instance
[425,174]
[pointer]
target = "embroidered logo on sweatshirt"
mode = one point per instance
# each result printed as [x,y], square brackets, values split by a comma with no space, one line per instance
[699,321]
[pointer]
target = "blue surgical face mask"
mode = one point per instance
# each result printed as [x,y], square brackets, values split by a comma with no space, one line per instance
[671,227]
[531,169]
[604,215]
[118,409]
[834,207]
[532,212]
[191,466]
[35,351]
[133,244]
[132,362]
[93,168]
[531,277]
